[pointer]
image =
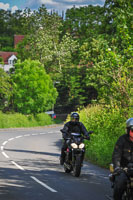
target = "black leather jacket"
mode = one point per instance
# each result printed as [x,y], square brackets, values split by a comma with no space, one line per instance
[73,127]
[123,152]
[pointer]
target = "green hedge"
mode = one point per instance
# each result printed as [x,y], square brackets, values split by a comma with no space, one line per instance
[108,124]
[20,120]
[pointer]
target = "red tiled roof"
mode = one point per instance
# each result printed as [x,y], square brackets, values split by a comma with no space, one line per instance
[17,39]
[6,55]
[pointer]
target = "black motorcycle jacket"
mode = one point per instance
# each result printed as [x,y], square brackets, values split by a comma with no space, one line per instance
[123,152]
[73,127]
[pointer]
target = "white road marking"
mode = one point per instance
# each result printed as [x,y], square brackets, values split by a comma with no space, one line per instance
[5,154]
[21,168]
[4,143]
[11,139]
[17,165]
[19,136]
[42,133]
[108,197]
[2,148]
[43,184]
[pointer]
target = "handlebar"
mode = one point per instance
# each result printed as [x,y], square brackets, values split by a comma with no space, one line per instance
[125,169]
[90,132]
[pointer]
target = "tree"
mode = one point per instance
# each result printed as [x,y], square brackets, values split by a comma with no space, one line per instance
[70,90]
[74,90]
[5,89]
[33,90]
[118,18]
[44,42]
[11,24]
[84,22]
[109,55]
[109,72]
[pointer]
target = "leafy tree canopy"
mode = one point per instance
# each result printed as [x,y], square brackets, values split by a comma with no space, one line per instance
[33,90]
[44,42]
[5,89]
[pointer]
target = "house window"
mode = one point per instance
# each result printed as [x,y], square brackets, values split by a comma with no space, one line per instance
[10,62]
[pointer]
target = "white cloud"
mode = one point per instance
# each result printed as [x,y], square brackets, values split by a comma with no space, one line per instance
[7,6]
[61,4]
[76,6]
[4,6]
[77,1]
[48,2]
[14,8]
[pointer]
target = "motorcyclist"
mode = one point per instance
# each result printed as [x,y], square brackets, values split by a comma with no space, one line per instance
[122,156]
[73,126]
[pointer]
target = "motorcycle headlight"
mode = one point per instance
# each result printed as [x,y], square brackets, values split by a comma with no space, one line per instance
[74,145]
[81,146]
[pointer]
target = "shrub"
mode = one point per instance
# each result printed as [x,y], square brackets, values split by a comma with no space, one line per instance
[13,120]
[43,119]
[108,124]
[20,120]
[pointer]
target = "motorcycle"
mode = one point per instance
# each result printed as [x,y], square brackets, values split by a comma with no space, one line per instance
[128,193]
[74,154]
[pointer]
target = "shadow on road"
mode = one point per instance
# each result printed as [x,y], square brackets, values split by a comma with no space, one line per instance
[32,152]
[14,184]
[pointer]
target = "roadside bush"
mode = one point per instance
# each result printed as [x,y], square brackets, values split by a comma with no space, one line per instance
[108,124]
[43,118]
[13,120]
[19,120]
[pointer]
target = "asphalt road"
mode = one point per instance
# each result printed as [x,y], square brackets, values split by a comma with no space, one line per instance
[30,169]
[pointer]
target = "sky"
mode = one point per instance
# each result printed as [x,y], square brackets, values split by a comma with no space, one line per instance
[57,5]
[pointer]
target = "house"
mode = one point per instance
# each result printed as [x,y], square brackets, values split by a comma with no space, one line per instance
[9,58]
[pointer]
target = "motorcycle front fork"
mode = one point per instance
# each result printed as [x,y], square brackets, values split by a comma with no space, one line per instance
[74,157]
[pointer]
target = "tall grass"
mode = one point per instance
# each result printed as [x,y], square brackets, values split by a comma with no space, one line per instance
[108,124]
[20,120]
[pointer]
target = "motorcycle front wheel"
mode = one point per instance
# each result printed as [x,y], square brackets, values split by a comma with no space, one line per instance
[67,169]
[126,196]
[77,166]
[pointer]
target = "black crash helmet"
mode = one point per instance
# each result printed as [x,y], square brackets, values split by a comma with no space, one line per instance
[75,116]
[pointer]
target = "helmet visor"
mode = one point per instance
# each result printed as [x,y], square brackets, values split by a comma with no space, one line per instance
[131,128]
[75,119]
